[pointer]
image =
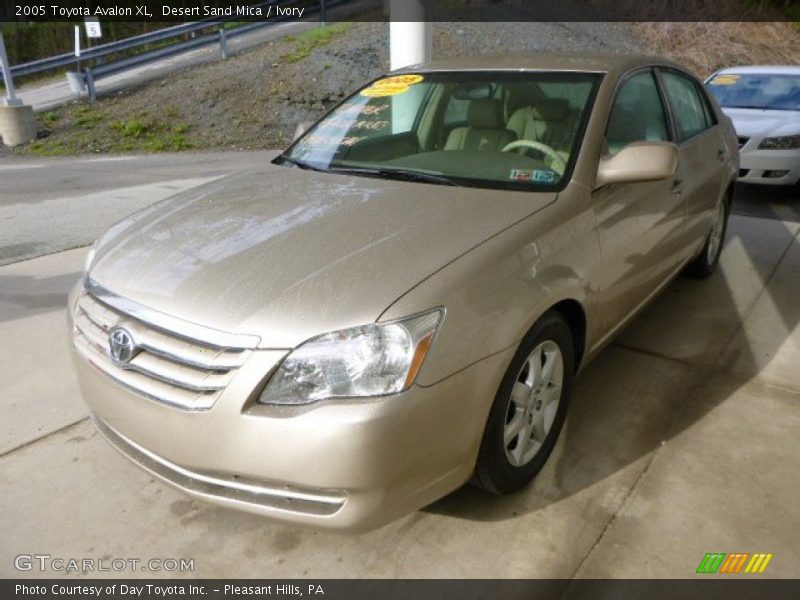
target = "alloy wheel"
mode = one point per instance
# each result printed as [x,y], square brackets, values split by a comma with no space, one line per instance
[533,404]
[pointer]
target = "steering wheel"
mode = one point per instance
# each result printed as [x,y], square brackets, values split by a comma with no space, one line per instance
[559,164]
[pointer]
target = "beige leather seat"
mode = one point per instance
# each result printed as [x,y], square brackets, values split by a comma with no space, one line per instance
[485,128]
[548,121]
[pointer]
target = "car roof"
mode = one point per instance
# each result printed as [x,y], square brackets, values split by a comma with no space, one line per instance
[764,70]
[541,61]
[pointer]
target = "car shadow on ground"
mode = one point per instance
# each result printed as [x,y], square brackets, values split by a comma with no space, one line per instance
[651,384]
[768,202]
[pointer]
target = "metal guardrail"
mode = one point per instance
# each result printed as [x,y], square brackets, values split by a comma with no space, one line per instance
[168,33]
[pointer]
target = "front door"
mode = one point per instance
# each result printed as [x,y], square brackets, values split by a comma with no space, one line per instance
[641,225]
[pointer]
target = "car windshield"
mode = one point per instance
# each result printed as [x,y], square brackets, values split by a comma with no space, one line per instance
[756,90]
[507,130]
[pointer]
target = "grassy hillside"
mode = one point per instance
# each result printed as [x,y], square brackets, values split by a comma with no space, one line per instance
[706,47]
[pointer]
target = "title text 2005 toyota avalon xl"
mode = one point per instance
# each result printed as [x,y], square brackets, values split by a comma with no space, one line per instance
[400,304]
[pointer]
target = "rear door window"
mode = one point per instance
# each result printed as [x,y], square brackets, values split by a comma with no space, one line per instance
[690,109]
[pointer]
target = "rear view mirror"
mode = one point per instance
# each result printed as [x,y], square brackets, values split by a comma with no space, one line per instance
[300,130]
[640,161]
[473,91]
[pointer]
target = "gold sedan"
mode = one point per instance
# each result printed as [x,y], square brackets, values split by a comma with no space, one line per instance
[401,302]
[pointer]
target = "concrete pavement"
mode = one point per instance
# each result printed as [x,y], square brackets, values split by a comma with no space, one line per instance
[681,440]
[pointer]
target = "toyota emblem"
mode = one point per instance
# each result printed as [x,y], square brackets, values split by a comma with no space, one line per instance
[121,347]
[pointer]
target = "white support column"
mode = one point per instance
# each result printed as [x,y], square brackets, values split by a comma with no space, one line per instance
[11,95]
[411,40]
[17,125]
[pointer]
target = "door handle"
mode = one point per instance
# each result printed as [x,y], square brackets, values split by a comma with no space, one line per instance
[677,190]
[722,154]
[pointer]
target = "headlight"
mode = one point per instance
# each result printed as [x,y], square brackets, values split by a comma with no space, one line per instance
[786,142]
[90,258]
[372,360]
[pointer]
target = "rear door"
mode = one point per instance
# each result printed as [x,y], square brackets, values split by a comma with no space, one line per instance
[702,154]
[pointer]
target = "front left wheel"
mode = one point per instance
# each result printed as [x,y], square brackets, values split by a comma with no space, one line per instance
[529,409]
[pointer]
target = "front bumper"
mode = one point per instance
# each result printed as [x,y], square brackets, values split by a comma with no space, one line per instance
[760,166]
[349,465]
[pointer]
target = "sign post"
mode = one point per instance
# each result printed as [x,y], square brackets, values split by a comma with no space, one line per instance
[77,48]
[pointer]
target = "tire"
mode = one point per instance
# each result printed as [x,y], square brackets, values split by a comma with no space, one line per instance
[503,468]
[706,262]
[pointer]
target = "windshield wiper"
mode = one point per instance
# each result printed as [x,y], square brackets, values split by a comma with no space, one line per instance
[751,107]
[401,174]
[297,163]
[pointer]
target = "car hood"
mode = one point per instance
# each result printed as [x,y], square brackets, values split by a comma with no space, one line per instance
[754,122]
[288,254]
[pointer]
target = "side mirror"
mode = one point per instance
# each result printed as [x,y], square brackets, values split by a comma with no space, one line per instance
[300,130]
[639,161]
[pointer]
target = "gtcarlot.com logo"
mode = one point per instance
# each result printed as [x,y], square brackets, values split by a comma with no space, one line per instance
[47,562]
[733,563]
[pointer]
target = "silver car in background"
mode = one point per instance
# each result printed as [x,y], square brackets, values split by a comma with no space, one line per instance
[764,105]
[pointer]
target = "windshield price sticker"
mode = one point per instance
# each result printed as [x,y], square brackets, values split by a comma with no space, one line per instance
[724,80]
[391,86]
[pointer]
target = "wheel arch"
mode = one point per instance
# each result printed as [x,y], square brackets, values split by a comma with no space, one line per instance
[575,315]
[729,191]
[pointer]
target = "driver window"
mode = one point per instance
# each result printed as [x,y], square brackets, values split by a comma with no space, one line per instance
[637,115]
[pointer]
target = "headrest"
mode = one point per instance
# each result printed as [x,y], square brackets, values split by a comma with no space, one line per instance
[551,110]
[486,113]
[520,95]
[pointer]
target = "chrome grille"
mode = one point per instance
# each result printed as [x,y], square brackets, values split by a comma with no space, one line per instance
[742,141]
[167,367]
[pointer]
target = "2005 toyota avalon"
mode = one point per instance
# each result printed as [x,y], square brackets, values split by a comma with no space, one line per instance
[401,302]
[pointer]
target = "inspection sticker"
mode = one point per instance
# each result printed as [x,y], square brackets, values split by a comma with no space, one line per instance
[544,176]
[391,86]
[520,175]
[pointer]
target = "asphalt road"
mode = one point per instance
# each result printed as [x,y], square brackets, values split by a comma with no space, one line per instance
[50,205]
[53,204]
[56,92]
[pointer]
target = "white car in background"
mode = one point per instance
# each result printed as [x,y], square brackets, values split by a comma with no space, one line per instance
[764,105]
